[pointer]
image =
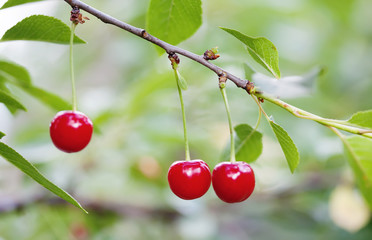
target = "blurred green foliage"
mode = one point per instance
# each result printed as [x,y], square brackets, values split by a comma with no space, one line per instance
[130,93]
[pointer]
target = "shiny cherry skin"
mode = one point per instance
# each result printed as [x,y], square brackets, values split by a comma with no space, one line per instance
[233,182]
[189,179]
[71,131]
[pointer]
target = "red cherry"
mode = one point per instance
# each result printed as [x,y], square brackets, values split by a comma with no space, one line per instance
[71,131]
[189,179]
[233,182]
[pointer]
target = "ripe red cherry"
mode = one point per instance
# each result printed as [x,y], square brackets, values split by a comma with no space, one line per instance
[71,131]
[189,179]
[233,182]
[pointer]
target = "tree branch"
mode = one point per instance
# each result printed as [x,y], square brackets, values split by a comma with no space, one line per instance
[245,84]
[166,46]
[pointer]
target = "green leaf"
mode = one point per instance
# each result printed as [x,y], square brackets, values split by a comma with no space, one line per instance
[174,21]
[261,49]
[10,101]
[2,83]
[41,28]
[248,144]
[359,152]
[18,73]
[12,3]
[2,135]
[363,119]
[289,148]
[53,101]
[25,166]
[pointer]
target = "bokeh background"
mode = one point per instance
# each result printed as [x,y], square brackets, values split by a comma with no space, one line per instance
[130,93]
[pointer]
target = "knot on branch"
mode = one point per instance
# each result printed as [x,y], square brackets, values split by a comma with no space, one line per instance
[222,78]
[211,54]
[175,60]
[76,16]
[250,88]
[144,33]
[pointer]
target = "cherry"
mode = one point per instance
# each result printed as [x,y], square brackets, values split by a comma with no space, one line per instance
[189,179]
[71,131]
[233,182]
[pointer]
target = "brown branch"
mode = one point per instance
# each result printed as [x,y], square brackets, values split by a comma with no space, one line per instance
[166,46]
[92,205]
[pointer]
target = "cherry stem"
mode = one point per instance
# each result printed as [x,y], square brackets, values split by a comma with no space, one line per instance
[261,108]
[232,145]
[259,114]
[72,75]
[187,150]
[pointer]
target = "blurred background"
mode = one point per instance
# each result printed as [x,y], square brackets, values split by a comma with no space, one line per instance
[129,92]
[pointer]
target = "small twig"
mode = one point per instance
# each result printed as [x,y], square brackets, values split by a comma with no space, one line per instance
[342,125]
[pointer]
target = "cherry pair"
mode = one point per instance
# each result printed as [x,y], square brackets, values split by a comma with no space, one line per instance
[232,182]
